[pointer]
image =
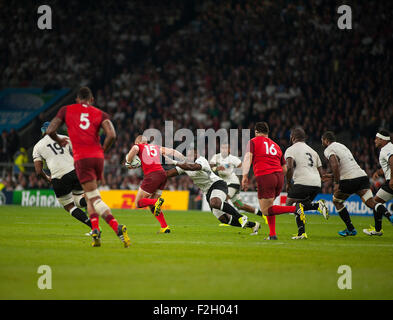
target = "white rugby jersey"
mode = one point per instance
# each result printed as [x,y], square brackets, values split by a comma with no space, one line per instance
[59,160]
[384,155]
[203,178]
[307,162]
[230,163]
[349,168]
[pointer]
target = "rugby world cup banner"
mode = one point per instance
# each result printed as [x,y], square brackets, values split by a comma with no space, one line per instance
[354,204]
[115,199]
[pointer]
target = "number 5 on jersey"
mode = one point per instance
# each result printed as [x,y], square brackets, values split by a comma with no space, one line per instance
[85,122]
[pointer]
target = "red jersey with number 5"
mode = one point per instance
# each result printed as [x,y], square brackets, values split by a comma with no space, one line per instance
[267,156]
[83,123]
[150,156]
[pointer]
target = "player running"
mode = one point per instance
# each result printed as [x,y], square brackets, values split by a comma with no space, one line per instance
[214,188]
[150,191]
[348,179]
[223,164]
[304,167]
[83,122]
[269,168]
[68,190]
[385,193]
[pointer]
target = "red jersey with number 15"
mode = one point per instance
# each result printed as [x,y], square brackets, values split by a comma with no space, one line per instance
[150,156]
[83,123]
[267,156]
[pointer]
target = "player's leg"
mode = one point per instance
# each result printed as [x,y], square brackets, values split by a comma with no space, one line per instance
[234,195]
[68,204]
[152,182]
[301,228]
[228,219]
[160,217]
[338,201]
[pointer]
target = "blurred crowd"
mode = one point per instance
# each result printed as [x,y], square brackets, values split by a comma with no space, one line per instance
[240,62]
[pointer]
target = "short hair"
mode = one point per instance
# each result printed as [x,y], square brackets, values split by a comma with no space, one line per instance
[298,133]
[262,127]
[329,136]
[85,93]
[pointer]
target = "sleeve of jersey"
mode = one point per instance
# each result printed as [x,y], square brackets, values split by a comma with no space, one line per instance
[204,164]
[283,162]
[329,152]
[105,116]
[213,160]
[288,154]
[319,162]
[237,161]
[180,170]
[61,114]
[36,155]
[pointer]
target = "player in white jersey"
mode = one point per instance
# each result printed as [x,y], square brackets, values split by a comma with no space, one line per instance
[304,168]
[60,163]
[215,189]
[348,179]
[385,193]
[224,165]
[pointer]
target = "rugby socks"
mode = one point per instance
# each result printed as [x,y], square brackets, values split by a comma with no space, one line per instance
[83,203]
[380,211]
[81,216]
[258,212]
[300,226]
[112,222]
[344,215]
[227,208]
[310,206]
[276,210]
[271,221]
[145,202]
[160,218]
[94,221]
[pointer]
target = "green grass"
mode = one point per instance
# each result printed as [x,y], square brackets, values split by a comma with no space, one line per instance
[198,260]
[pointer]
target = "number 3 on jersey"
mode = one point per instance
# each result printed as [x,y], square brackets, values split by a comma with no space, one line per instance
[85,122]
[272,150]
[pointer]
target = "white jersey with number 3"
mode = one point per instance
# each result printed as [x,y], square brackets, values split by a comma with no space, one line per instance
[349,168]
[59,160]
[306,164]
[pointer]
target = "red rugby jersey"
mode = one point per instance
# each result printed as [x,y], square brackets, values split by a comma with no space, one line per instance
[267,156]
[83,123]
[150,156]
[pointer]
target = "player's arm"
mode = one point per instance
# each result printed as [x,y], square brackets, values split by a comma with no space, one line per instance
[132,153]
[335,170]
[39,165]
[172,173]
[110,134]
[172,152]
[246,169]
[378,173]
[189,166]
[391,171]
[290,170]
[55,124]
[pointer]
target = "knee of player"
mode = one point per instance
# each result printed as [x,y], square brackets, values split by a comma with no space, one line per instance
[215,203]
[80,201]
[338,203]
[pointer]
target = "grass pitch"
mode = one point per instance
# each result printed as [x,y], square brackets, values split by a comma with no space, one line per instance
[198,260]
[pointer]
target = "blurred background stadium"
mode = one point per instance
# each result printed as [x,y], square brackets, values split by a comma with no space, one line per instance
[201,64]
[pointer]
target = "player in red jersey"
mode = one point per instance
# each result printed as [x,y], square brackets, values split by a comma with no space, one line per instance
[150,191]
[83,122]
[269,168]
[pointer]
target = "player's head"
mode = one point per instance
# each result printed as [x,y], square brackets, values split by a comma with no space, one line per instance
[44,128]
[382,138]
[141,140]
[327,138]
[84,95]
[261,129]
[298,135]
[225,149]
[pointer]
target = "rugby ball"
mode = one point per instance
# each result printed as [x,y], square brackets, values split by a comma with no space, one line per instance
[135,163]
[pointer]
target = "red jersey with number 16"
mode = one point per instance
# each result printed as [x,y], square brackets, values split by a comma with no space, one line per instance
[83,123]
[267,156]
[150,156]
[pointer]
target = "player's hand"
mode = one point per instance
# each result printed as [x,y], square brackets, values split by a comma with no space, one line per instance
[63,142]
[221,168]
[327,177]
[245,183]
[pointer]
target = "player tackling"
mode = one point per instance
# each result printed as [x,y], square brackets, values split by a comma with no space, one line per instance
[83,122]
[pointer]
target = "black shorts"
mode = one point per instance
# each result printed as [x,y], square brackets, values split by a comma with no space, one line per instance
[218,185]
[66,184]
[235,186]
[350,186]
[385,187]
[303,193]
